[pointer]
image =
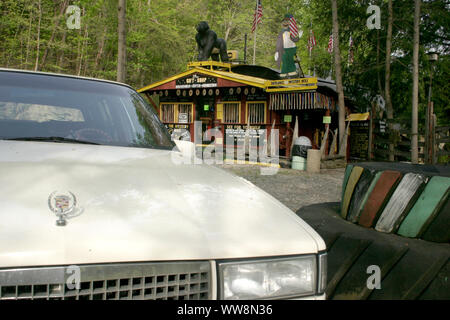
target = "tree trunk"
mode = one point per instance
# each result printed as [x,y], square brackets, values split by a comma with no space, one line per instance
[387,84]
[337,63]
[380,88]
[415,94]
[54,31]
[36,65]
[83,51]
[60,58]
[29,34]
[100,48]
[121,55]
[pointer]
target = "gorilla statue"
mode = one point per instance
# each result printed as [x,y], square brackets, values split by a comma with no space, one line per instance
[209,45]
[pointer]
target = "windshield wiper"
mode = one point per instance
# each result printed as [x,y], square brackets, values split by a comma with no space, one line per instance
[52,139]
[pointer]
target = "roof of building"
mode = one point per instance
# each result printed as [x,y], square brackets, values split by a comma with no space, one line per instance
[245,75]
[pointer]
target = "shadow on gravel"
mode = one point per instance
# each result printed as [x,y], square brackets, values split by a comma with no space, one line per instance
[410,268]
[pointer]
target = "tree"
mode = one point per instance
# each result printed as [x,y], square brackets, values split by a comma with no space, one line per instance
[415,91]
[122,45]
[36,65]
[387,85]
[337,63]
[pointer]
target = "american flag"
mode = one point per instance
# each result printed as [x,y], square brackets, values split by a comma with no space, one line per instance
[293,27]
[312,40]
[350,51]
[257,16]
[330,44]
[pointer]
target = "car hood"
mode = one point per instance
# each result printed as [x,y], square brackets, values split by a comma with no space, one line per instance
[136,205]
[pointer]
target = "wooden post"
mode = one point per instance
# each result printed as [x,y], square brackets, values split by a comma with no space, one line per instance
[427,147]
[434,158]
[369,147]
[415,89]
[324,143]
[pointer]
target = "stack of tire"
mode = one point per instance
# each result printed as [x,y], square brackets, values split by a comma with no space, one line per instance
[395,218]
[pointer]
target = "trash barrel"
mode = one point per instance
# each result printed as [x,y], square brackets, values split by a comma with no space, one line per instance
[298,163]
[300,152]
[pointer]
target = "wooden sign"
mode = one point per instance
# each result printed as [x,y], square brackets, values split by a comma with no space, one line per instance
[196,81]
[287,118]
[359,139]
[182,118]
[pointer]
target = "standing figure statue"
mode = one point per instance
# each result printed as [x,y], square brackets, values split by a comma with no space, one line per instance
[286,47]
[209,45]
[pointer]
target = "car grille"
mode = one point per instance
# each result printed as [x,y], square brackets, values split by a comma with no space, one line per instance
[127,281]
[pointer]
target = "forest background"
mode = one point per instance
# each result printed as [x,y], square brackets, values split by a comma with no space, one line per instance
[160,41]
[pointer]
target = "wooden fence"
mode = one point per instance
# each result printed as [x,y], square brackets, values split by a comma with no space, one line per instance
[400,137]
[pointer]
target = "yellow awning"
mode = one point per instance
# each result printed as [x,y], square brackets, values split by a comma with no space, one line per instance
[288,85]
[358,116]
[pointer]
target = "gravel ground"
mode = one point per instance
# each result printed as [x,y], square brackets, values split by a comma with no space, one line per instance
[294,188]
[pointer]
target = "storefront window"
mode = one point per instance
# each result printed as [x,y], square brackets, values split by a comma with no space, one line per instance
[231,112]
[256,112]
[167,112]
[185,113]
[176,112]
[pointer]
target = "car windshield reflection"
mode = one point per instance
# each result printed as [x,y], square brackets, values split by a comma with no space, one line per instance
[62,109]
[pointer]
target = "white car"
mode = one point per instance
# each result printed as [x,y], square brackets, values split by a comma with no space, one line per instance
[93,207]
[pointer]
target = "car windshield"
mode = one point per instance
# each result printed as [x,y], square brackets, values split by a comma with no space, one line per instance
[41,107]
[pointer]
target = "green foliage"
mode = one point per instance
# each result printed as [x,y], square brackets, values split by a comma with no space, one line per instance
[160,41]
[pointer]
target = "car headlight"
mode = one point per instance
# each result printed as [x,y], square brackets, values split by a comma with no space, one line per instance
[265,279]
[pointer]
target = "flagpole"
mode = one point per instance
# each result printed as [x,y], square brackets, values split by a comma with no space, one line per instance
[310,44]
[254,43]
[256,29]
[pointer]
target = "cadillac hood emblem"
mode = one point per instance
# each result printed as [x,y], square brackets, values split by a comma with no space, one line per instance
[64,205]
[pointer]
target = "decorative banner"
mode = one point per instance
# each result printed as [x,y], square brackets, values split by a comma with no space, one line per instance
[300,101]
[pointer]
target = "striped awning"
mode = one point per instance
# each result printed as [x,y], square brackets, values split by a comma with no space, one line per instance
[300,101]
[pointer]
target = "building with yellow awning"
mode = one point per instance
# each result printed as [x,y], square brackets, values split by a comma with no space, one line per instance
[233,97]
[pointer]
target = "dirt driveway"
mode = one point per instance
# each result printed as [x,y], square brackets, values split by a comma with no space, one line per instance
[294,188]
